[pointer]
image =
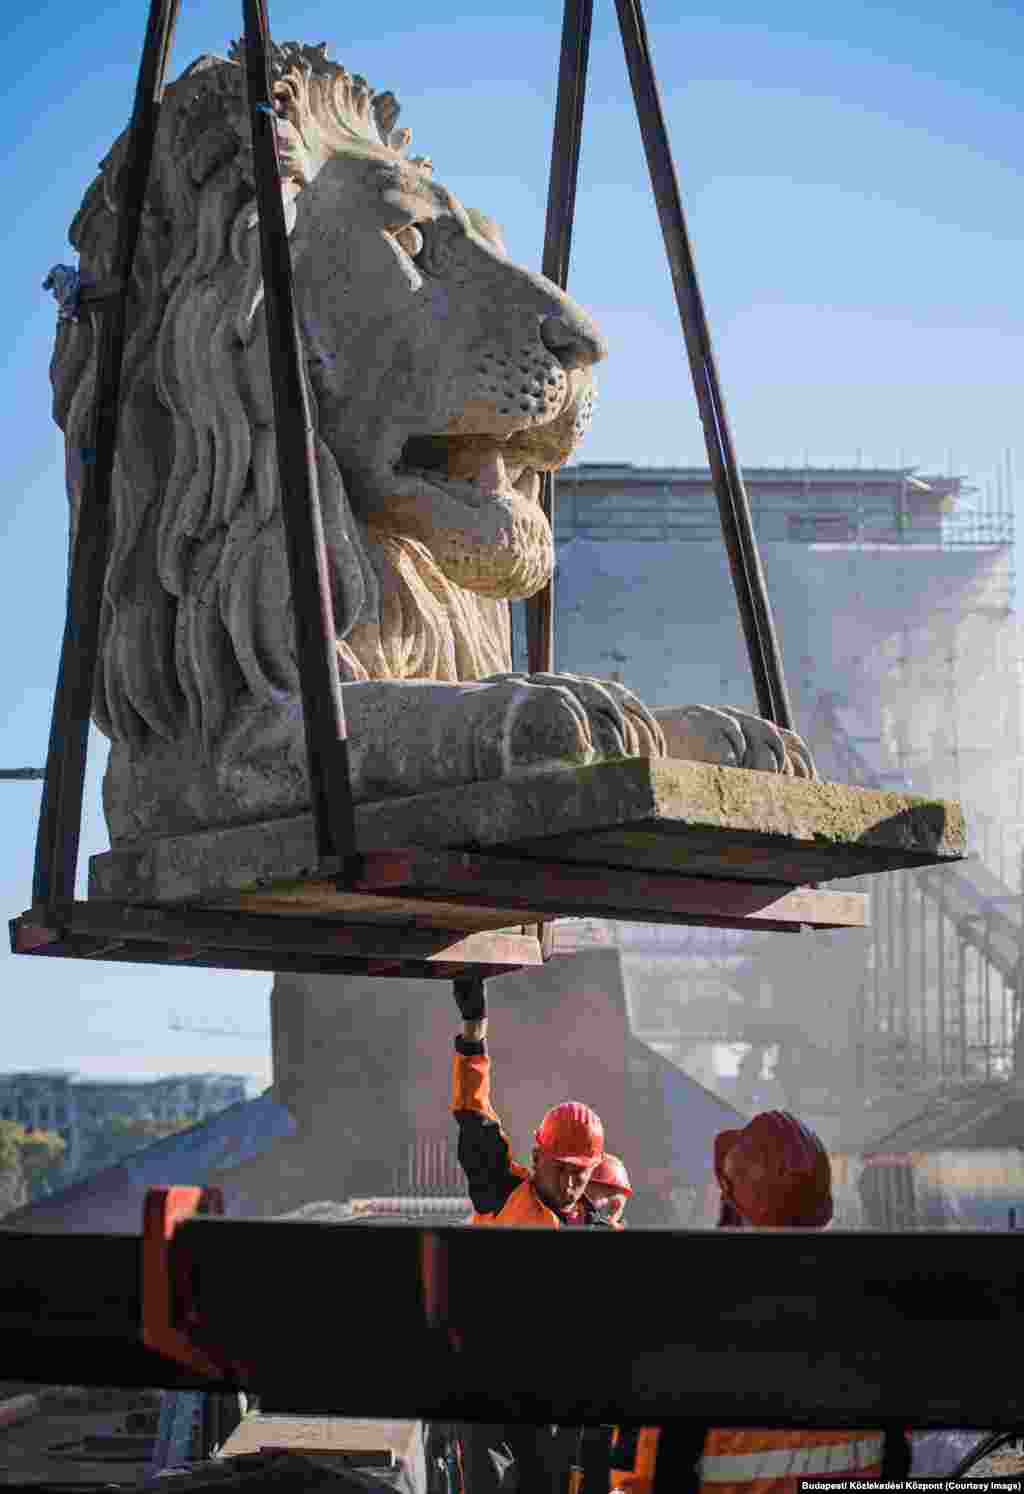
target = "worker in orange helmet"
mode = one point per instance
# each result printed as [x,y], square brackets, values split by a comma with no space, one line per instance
[609,1189]
[568,1147]
[774,1173]
[568,1143]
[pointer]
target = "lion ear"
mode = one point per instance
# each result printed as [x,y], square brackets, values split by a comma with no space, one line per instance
[404,195]
[487,229]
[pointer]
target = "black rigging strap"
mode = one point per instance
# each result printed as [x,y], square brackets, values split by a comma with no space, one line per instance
[733,505]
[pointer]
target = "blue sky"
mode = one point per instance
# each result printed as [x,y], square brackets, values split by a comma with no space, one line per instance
[852,178]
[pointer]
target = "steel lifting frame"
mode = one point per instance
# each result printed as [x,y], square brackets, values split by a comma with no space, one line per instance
[324,715]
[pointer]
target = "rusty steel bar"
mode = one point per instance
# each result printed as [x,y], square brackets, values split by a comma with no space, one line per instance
[561,211]
[733,506]
[315,634]
[60,811]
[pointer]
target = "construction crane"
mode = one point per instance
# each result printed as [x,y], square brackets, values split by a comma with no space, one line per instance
[22,775]
[180,1024]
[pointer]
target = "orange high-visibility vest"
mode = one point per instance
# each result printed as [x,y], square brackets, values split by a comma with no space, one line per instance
[741,1460]
[522,1208]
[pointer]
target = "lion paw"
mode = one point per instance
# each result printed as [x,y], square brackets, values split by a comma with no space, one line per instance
[734,739]
[605,719]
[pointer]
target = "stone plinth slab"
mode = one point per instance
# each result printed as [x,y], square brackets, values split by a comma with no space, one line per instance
[647,815]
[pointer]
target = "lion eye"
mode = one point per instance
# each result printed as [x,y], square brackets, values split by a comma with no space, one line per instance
[440,241]
[410,239]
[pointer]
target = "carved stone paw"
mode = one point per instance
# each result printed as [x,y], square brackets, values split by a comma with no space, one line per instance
[734,739]
[607,719]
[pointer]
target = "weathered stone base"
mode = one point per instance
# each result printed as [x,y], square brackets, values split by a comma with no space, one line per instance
[640,813]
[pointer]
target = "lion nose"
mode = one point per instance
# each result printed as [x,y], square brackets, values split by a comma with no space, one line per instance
[575,343]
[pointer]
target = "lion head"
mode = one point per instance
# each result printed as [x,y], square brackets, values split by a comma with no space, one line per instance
[443,380]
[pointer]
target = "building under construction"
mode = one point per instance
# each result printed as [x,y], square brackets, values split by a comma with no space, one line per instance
[893,591]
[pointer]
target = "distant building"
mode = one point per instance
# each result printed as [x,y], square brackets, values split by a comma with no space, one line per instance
[809,505]
[81,1110]
[892,591]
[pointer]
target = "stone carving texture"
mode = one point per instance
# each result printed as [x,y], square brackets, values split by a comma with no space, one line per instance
[444,380]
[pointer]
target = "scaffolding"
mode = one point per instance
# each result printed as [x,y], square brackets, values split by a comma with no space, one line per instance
[848,506]
[925,656]
[942,1001]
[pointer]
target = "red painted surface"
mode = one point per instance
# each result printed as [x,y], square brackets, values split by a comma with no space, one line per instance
[163,1210]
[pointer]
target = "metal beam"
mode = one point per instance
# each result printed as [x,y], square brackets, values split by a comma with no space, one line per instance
[734,507]
[237,941]
[213,928]
[561,211]
[789,1328]
[575,889]
[76,1301]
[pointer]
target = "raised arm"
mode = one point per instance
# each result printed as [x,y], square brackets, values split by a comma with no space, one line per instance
[484,1151]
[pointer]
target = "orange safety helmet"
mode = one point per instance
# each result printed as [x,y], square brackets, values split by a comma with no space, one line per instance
[776,1172]
[572,1133]
[611,1171]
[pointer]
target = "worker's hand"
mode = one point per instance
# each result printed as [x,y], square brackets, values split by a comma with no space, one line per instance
[471,998]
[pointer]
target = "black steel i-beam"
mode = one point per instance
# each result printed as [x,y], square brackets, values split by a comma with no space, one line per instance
[729,1327]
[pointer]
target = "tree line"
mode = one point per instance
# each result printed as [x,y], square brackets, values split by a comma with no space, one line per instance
[33,1162]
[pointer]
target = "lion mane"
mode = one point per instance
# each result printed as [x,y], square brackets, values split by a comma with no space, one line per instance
[195,619]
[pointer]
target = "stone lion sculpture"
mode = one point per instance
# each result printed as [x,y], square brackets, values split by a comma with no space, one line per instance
[443,380]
